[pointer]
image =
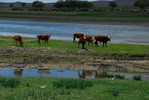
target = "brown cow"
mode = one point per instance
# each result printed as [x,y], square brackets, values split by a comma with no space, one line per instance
[77,35]
[82,41]
[18,39]
[43,37]
[101,38]
[89,39]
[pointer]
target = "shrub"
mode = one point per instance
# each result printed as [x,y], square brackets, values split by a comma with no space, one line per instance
[137,77]
[116,76]
[12,82]
[73,83]
[115,92]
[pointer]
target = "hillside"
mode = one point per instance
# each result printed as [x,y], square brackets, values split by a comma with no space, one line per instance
[119,3]
[95,3]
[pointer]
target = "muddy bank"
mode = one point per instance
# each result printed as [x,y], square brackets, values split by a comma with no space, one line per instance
[17,57]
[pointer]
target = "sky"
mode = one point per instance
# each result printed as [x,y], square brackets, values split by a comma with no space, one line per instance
[44,1]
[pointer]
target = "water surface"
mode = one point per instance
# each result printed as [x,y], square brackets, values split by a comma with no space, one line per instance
[89,74]
[64,31]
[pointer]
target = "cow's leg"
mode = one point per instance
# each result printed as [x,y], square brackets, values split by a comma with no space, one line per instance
[14,42]
[96,43]
[83,44]
[103,44]
[88,43]
[78,44]
[106,44]
[47,41]
[92,43]
[74,39]
[20,43]
[17,43]
[38,41]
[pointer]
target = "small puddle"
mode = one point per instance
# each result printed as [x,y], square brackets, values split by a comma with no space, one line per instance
[28,72]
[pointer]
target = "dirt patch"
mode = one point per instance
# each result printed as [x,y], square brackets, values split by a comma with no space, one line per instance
[17,57]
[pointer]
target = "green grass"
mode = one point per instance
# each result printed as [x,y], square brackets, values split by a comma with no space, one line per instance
[72,83]
[113,49]
[107,16]
[102,89]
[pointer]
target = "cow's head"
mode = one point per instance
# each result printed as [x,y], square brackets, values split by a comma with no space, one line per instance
[109,38]
[49,36]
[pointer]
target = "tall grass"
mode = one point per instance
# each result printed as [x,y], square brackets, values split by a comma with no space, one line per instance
[102,89]
[12,82]
[73,83]
[116,76]
[137,77]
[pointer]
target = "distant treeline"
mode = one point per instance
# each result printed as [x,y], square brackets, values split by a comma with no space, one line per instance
[76,5]
[73,5]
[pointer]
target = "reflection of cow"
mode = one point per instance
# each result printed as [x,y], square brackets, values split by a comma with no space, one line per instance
[18,39]
[101,38]
[43,71]
[100,74]
[92,74]
[86,73]
[18,72]
[43,37]
[77,35]
[89,39]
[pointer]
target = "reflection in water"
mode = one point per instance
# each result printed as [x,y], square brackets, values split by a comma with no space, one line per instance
[43,71]
[18,72]
[92,74]
[28,72]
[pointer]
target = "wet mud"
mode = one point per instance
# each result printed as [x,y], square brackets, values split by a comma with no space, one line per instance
[18,57]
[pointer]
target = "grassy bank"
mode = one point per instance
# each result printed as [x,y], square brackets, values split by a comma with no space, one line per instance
[113,49]
[88,17]
[46,88]
[65,54]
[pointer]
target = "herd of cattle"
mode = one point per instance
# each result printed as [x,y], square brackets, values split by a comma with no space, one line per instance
[82,39]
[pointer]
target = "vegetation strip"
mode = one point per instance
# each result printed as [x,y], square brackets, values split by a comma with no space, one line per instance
[66,54]
[46,88]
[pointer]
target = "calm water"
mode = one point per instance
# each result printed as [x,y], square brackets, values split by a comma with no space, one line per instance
[66,73]
[119,33]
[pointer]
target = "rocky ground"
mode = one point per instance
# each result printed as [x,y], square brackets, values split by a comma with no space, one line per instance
[17,57]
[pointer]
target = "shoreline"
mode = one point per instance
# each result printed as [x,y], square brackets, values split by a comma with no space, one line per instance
[71,40]
[146,24]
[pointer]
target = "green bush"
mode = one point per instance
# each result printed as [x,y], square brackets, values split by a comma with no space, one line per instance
[116,76]
[73,83]
[137,77]
[12,82]
[115,92]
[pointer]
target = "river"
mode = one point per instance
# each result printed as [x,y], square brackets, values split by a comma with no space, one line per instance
[64,31]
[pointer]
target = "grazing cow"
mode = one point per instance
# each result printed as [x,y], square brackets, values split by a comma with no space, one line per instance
[18,39]
[89,39]
[77,35]
[101,38]
[82,41]
[43,37]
